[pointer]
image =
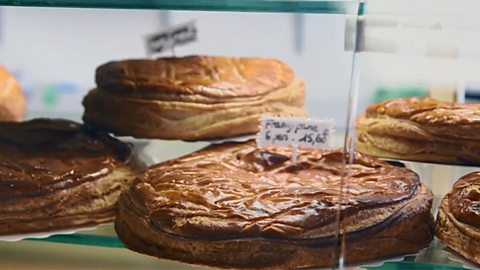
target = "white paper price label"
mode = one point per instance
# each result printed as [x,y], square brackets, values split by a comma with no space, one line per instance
[171,37]
[295,132]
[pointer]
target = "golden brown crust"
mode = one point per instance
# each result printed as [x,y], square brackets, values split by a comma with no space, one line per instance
[88,204]
[421,129]
[459,236]
[12,99]
[236,206]
[57,174]
[210,76]
[212,97]
[401,235]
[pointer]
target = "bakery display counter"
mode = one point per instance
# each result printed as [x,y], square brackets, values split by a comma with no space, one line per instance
[282,201]
[86,245]
[304,6]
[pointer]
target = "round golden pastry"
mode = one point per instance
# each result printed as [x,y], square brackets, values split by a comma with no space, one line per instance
[191,98]
[237,206]
[458,220]
[12,99]
[56,174]
[421,129]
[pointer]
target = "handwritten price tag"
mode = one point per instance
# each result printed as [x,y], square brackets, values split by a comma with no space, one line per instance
[295,132]
[171,37]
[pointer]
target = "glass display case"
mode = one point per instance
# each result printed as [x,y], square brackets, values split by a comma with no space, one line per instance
[350,54]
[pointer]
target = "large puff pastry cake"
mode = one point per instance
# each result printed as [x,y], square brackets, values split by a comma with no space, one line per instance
[192,98]
[12,99]
[458,220]
[54,174]
[421,129]
[236,206]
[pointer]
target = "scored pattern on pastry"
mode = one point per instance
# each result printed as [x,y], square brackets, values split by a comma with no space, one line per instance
[421,129]
[235,205]
[192,98]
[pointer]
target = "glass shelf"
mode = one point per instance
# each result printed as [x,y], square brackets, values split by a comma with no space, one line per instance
[297,6]
[432,258]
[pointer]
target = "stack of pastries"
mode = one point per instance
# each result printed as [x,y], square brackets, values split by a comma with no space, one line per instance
[192,98]
[231,205]
[56,174]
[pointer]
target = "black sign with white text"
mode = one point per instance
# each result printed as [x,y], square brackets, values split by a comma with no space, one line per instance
[171,37]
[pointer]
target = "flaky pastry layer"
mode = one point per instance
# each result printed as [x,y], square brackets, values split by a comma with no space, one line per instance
[90,203]
[189,120]
[456,235]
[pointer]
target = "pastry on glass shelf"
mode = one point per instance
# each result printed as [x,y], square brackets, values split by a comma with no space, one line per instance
[55,174]
[458,220]
[421,129]
[192,98]
[237,206]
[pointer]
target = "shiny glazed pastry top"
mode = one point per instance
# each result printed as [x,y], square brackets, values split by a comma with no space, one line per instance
[464,199]
[204,75]
[42,156]
[238,190]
